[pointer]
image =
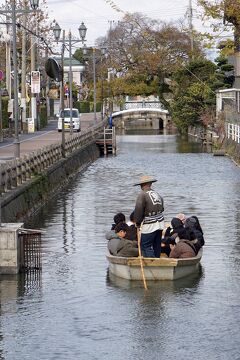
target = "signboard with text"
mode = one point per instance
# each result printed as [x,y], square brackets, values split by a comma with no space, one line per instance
[35,82]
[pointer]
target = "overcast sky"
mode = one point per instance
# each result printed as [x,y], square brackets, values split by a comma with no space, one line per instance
[97,14]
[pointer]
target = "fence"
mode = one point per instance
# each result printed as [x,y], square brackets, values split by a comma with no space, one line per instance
[30,250]
[143,104]
[233,132]
[15,172]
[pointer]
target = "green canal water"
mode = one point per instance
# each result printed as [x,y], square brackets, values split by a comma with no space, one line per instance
[74,309]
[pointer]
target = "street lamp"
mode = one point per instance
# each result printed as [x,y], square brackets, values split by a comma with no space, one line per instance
[34,4]
[82,31]
[57,32]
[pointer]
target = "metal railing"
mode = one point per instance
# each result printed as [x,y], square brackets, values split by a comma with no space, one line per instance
[142,105]
[15,172]
[30,250]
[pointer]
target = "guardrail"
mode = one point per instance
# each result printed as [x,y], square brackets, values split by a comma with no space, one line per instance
[15,172]
[233,132]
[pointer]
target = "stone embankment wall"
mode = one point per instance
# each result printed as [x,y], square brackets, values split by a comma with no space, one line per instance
[27,199]
[232,149]
[225,144]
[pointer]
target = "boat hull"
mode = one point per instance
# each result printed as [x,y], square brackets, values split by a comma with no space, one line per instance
[154,269]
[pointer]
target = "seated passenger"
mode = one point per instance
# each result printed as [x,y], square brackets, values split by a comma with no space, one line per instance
[132,230]
[183,248]
[176,226]
[182,217]
[193,224]
[118,245]
[118,218]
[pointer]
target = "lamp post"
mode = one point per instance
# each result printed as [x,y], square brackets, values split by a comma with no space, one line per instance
[34,5]
[57,32]
[103,51]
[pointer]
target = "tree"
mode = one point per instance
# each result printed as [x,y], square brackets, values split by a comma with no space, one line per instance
[194,89]
[225,11]
[143,52]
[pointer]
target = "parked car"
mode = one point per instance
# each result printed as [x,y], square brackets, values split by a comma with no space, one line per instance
[66,115]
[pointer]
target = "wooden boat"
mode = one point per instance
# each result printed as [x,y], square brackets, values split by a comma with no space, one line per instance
[154,268]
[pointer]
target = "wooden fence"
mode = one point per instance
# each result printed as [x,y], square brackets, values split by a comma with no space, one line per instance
[15,172]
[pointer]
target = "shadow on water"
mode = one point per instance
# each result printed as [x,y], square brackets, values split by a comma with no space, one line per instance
[168,286]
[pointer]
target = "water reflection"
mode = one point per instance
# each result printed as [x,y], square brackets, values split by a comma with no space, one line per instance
[18,286]
[76,307]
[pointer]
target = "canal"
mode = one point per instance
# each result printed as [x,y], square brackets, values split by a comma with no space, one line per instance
[75,310]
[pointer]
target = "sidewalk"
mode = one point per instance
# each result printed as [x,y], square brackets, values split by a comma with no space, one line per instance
[47,136]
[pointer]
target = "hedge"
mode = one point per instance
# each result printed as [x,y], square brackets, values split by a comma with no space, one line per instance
[87,106]
[5,113]
[43,116]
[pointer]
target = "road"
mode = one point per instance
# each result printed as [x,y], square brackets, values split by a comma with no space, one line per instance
[47,136]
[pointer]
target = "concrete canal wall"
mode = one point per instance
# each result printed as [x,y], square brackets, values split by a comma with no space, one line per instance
[27,199]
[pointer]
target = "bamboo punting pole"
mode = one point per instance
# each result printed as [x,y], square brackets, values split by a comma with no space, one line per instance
[141,261]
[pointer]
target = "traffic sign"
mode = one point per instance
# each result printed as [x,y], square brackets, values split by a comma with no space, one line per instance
[1,75]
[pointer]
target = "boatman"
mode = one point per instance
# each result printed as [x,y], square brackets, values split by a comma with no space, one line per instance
[149,218]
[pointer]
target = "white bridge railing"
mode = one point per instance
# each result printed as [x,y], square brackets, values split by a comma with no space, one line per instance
[142,104]
[16,172]
[233,132]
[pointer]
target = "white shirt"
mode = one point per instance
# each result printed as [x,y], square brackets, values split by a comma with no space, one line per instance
[149,228]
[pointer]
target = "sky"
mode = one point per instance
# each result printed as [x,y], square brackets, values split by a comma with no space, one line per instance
[97,15]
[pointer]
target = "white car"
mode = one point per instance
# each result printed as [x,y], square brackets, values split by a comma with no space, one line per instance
[66,115]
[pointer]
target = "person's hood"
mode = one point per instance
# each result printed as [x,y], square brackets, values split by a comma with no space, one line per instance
[111,235]
[176,223]
[191,222]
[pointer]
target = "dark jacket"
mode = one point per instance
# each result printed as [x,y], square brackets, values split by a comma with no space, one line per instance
[149,207]
[192,224]
[131,233]
[178,230]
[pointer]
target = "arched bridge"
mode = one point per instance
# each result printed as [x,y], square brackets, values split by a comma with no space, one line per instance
[156,117]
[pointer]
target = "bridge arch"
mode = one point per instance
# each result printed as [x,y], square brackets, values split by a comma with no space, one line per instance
[158,117]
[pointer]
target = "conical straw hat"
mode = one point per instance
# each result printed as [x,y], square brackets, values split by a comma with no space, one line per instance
[145,179]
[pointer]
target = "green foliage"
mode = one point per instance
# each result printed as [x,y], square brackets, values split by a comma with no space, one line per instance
[82,106]
[98,106]
[78,55]
[5,112]
[43,116]
[194,90]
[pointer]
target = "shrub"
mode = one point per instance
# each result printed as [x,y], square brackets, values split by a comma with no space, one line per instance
[43,116]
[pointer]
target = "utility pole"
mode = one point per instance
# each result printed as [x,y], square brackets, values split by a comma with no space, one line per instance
[33,97]
[15,70]
[23,77]
[62,95]
[70,81]
[47,88]
[94,86]
[8,60]
[190,16]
